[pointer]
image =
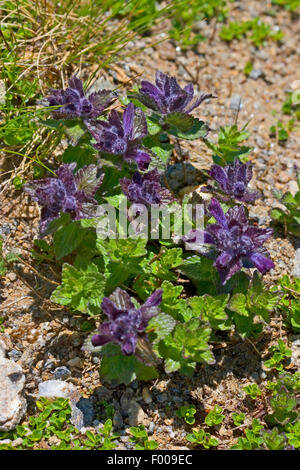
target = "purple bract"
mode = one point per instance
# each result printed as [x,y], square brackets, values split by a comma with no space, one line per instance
[74,103]
[66,193]
[146,189]
[235,241]
[122,137]
[126,323]
[166,96]
[232,181]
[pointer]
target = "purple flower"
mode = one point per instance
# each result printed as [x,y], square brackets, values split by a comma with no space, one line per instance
[166,96]
[122,138]
[66,193]
[146,189]
[235,240]
[232,181]
[126,323]
[74,103]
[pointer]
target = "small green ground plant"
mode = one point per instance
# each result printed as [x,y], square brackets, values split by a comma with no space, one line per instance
[140,439]
[256,30]
[187,412]
[280,429]
[202,438]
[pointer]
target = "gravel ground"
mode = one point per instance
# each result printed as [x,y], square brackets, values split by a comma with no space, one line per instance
[42,337]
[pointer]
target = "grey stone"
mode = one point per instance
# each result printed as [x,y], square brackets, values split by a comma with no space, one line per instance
[260,142]
[12,404]
[2,349]
[100,84]
[49,364]
[14,354]
[17,442]
[57,388]
[75,362]
[134,385]
[5,229]
[85,405]
[136,413]
[260,53]
[124,401]
[295,358]
[254,376]
[61,373]
[151,427]
[255,74]
[77,418]
[236,102]
[171,432]
[162,397]
[146,396]
[103,393]
[120,446]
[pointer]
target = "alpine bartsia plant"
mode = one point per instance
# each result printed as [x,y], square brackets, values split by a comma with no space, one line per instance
[74,103]
[146,189]
[122,137]
[237,242]
[232,182]
[166,96]
[69,193]
[127,324]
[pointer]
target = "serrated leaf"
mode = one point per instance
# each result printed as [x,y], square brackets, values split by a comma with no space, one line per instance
[170,297]
[187,344]
[153,125]
[183,122]
[198,130]
[162,150]
[238,304]
[82,155]
[160,326]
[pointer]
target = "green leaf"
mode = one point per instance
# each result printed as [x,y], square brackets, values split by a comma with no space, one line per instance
[183,122]
[160,326]
[52,123]
[74,130]
[81,289]
[211,309]
[186,345]
[124,369]
[153,125]
[186,126]
[67,239]
[82,155]
[162,150]
[63,220]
